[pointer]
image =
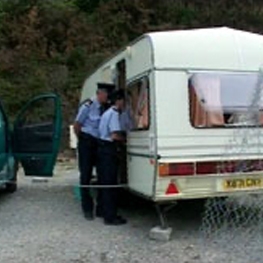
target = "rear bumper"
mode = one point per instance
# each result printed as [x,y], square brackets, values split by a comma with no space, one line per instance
[171,198]
[198,187]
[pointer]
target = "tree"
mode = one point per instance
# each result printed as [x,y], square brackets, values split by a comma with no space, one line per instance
[52,45]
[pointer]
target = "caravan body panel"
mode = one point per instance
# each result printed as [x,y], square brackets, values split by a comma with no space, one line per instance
[168,60]
[187,52]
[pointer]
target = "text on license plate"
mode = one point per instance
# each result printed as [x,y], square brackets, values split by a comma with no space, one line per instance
[245,183]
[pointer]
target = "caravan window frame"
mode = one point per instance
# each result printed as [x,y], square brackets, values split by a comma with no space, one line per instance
[131,85]
[193,100]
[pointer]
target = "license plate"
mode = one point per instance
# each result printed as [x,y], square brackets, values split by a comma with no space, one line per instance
[246,183]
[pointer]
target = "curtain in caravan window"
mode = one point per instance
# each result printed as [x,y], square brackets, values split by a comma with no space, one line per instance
[208,93]
[142,105]
[225,99]
[198,113]
[138,104]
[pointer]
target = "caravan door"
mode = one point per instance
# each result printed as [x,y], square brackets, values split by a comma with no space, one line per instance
[141,143]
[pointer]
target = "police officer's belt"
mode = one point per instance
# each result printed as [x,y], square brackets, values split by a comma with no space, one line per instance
[106,143]
[87,136]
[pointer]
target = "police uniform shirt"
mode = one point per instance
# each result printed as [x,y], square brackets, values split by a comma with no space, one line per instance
[110,123]
[126,120]
[89,116]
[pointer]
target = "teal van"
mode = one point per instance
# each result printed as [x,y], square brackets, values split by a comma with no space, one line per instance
[32,140]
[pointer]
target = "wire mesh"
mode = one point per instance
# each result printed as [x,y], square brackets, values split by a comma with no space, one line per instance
[232,227]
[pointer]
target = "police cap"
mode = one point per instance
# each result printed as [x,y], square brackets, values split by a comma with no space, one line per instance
[106,87]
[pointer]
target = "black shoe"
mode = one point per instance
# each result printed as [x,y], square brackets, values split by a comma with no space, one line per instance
[116,221]
[88,215]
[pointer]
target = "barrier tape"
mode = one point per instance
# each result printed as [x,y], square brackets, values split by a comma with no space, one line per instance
[34,180]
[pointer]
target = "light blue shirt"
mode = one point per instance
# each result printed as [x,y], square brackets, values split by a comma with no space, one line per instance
[110,122]
[126,120]
[89,117]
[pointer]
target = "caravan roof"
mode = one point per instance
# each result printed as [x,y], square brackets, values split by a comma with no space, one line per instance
[222,49]
[214,48]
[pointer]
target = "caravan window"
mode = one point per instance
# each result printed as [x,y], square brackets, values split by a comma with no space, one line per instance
[225,100]
[138,104]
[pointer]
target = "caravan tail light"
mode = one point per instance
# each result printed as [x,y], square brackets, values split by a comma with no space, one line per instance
[257,165]
[211,167]
[207,168]
[176,169]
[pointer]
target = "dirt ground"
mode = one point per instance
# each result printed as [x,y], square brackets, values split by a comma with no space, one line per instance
[42,222]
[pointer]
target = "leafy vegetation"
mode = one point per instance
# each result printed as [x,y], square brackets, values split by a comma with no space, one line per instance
[52,45]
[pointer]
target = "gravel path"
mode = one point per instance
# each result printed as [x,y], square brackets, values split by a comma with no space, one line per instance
[42,222]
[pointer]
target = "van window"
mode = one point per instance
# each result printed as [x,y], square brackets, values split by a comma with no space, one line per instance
[138,104]
[224,100]
[40,112]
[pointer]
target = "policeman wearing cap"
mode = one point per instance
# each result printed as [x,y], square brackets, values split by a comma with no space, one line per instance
[110,135]
[86,127]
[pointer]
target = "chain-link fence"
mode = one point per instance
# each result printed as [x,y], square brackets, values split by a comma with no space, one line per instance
[232,227]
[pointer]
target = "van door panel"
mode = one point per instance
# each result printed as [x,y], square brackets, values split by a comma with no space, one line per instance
[36,136]
[3,140]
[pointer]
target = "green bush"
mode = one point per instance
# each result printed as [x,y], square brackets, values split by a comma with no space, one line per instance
[52,45]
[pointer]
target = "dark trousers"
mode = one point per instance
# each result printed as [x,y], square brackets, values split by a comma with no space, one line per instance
[87,157]
[108,176]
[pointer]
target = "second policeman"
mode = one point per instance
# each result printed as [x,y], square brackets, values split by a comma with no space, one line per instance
[111,136]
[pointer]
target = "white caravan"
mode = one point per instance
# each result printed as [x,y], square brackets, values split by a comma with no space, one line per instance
[185,89]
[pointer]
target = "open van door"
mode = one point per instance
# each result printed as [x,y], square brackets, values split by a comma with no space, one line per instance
[3,139]
[36,135]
